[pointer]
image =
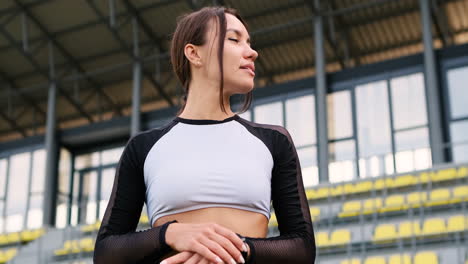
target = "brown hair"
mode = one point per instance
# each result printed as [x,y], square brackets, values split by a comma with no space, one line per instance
[191,28]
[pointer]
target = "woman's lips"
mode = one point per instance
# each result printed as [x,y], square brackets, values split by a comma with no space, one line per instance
[249,70]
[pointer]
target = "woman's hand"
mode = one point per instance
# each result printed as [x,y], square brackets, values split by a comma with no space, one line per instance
[211,241]
[193,258]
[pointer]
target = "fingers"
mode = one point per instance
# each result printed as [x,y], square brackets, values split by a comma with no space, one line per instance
[201,249]
[194,259]
[230,235]
[178,258]
[228,247]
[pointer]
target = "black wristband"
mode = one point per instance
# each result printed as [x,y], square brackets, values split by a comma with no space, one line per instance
[165,248]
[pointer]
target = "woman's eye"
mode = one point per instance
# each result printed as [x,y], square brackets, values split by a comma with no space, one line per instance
[234,39]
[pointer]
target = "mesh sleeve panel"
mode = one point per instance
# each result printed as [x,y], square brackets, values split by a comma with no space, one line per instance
[296,242]
[117,240]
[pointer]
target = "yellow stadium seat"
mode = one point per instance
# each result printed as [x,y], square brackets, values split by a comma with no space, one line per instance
[144,219]
[340,237]
[407,229]
[375,260]
[416,199]
[434,226]
[87,228]
[439,197]
[30,235]
[351,261]
[444,175]
[363,187]
[273,221]
[372,205]
[322,239]
[310,193]
[457,223]
[385,233]
[3,239]
[14,237]
[348,188]
[394,203]
[337,190]
[314,213]
[425,177]
[399,259]
[426,257]
[322,192]
[383,183]
[460,194]
[462,172]
[350,208]
[69,247]
[87,244]
[8,254]
[405,180]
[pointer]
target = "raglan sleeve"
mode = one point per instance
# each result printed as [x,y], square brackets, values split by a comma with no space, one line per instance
[117,239]
[296,242]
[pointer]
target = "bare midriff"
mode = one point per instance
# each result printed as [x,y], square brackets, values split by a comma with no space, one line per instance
[243,222]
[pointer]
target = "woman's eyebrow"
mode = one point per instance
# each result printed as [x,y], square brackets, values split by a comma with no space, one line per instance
[238,33]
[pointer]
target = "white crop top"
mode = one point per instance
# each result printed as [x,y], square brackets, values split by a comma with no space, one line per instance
[207,163]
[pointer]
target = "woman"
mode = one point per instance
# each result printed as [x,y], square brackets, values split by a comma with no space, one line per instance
[208,176]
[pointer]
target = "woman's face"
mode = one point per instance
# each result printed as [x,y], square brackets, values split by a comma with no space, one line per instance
[239,57]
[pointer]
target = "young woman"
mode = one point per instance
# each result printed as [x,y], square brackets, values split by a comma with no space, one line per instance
[208,177]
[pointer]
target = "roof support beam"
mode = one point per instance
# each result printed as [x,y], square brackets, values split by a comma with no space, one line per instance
[129,52]
[441,23]
[67,55]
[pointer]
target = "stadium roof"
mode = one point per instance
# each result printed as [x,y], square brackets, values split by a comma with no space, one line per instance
[93,49]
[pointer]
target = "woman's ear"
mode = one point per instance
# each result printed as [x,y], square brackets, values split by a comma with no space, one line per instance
[192,53]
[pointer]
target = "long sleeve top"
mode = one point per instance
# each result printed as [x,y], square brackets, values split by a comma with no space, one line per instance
[225,158]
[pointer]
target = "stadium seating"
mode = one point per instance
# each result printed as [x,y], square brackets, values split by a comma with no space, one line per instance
[386,233]
[338,237]
[422,257]
[7,255]
[76,246]
[20,237]
[398,202]
[377,184]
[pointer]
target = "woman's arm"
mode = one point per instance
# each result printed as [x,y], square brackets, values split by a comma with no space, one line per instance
[296,243]
[117,242]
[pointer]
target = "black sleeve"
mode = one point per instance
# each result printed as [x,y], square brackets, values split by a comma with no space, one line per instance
[117,242]
[296,243]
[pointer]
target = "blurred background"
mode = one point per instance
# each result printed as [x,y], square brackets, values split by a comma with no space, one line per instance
[373,92]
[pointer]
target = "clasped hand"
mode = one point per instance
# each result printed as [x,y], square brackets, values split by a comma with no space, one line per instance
[204,244]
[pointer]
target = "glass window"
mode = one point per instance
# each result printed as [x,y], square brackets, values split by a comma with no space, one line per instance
[459,134]
[412,150]
[89,196]
[62,212]
[1,217]
[308,162]
[107,182]
[111,156]
[408,101]
[38,176]
[35,212]
[3,172]
[17,193]
[339,115]
[64,171]
[87,160]
[374,131]
[342,161]
[247,115]
[271,113]
[300,120]
[458,91]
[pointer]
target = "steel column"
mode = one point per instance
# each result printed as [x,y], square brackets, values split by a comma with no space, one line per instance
[320,97]
[432,86]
